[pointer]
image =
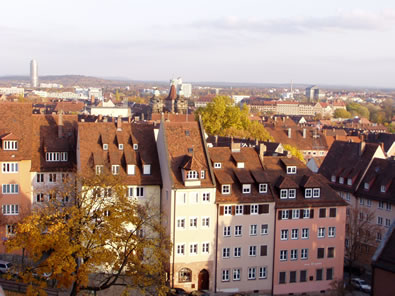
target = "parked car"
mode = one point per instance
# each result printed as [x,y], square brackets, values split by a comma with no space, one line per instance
[177,291]
[361,285]
[5,266]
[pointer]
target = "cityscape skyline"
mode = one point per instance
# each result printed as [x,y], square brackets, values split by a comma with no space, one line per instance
[254,42]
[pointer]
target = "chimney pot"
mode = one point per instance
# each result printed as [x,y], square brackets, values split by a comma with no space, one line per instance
[119,123]
[60,125]
[304,133]
[289,132]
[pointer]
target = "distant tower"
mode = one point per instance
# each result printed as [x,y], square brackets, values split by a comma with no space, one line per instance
[33,73]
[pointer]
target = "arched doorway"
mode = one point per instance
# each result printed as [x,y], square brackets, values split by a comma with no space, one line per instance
[203,283]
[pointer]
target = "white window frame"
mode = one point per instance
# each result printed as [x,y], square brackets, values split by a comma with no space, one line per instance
[304,254]
[263,272]
[202,174]
[349,181]
[105,146]
[291,170]
[253,229]
[181,223]
[131,169]
[316,192]
[366,186]
[237,252]
[263,188]
[382,189]
[205,221]
[225,275]
[240,165]
[292,193]
[321,232]
[205,248]
[306,213]
[283,255]
[206,197]
[227,210]
[295,233]
[246,188]
[192,175]
[264,229]
[305,233]
[284,234]
[10,210]
[52,177]
[254,209]
[308,193]
[251,273]
[217,165]
[239,210]
[333,178]
[193,249]
[99,169]
[341,180]
[283,193]
[238,230]
[10,167]
[225,189]
[294,254]
[120,146]
[10,188]
[193,222]
[140,191]
[236,274]
[115,168]
[40,178]
[331,231]
[227,231]
[295,214]
[180,249]
[226,252]
[285,215]
[10,145]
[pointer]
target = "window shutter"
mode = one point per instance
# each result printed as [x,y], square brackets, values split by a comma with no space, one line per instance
[233,210]
[260,211]
[221,210]
[311,213]
[264,250]
[301,214]
[279,214]
[265,209]
[247,209]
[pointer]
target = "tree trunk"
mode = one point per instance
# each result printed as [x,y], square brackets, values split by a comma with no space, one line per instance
[74,290]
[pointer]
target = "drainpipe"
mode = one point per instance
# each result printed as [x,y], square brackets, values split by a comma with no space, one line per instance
[216,253]
[174,238]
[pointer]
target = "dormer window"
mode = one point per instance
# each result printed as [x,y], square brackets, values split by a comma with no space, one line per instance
[10,145]
[105,146]
[291,170]
[192,175]
[292,193]
[341,180]
[131,169]
[262,188]
[283,193]
[366,186]
[240,165]
[99,169]
[333,178]
[202,174]
[246,188]
[316,192]
[55,156]
[120,146]
[115,169]
[135,147]
[308,193]
[382,188]
[217,165]
[225,189]
[349,181]
[147,169]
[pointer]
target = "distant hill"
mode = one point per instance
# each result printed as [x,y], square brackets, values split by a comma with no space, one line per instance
[66,81]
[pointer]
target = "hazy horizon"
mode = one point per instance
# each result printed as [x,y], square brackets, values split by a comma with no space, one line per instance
[346,43]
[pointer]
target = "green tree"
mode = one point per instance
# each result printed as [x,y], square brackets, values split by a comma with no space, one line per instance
[98,239]
[357,110]
[341,113]
[295,152]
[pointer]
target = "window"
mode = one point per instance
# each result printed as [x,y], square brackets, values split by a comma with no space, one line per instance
[292,276]
[291,170]
[225,189]
[99,169]
[10,145]
[318,275]
[135,146]
[217,165]
[225,275]
[40,178]
[181,249]
[282,277]
[381,205]
[240,165]
[264,229]
[382,188]
[295,214]
[333,178]
[263,250]
[305,233]
[10,167]
[283,255]
[294,233]
[366,186]
[10,188]
[226,230]
[331,231]
[194,197]
[349,181]
[139,191]
[252,251]
[10,229]
[192,175]
[181,222]
[254,209]
[320,253]
[246,188]
[105,146]
[10,209]
[361,215]
[115,169]
[147,169]
[262,188]
[322,213]
[202,174]
[253,229]
[308,193]
[284,234]
[361,201]
[52,156]
[380,220]
[284,214]
[205,247]
[321,232]
[303,276]
[236,274]
[368,203]
[52,178]
[283,193]
[378,236]
[292,193]
[341,180]
[332,212]
[225,252]
[294,254]
[316,192]
[120,146]
[306,213]
[227,210]
[251,273]
[238,230]
[331,252]
[262,273]
[39,197]
[329,274]
[304,254]
[348,196]
[237,252]
[239,209]
[205,221]
[206,197]
[184,275]
[193,249]
[388,208]
[387,222]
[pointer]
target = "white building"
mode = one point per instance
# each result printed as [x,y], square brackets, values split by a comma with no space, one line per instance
[12,90]
[183,89]
[33,73]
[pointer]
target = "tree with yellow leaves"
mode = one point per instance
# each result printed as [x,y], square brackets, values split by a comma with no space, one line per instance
[94,239]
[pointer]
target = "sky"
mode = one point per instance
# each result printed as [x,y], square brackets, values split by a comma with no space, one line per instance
[333,42]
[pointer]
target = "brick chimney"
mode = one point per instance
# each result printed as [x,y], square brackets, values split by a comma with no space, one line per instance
[361,148]
[60,124]
[289,133]
[304,133]
[235,147]
[261,151]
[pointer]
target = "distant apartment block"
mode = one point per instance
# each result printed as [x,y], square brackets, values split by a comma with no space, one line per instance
[12,90]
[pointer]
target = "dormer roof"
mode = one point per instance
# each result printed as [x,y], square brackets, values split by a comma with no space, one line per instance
[310,182]
[191,163]
[223,177]
[284,182]
[243,176]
